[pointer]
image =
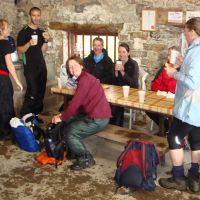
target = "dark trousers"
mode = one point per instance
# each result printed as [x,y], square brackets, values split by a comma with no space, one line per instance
[118,115]
[78,128]
[6,105]
[36,85]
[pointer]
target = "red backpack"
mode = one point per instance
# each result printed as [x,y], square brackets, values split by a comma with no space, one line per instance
[137,165]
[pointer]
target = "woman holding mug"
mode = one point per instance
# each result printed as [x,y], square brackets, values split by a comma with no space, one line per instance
[126,73]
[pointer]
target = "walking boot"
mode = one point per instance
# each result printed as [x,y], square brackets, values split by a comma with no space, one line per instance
[193,182]
[83,162]
[178,183]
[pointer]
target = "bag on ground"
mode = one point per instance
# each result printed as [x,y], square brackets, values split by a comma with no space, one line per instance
[137,166]
[54,146]
[24,135]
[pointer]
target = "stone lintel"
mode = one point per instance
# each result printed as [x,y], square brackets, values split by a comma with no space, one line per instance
[111,29]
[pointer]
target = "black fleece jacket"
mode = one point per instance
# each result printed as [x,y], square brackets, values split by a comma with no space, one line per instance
[102,70]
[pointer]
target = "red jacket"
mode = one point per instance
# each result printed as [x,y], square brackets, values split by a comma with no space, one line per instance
[164,83]
[89,98]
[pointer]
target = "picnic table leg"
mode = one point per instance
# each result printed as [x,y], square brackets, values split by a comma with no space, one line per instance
[67,99]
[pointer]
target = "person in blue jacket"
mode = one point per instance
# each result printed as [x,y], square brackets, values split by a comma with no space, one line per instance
[186,119]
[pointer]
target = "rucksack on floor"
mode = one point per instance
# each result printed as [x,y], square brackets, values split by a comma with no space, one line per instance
[137,166]
[54,145]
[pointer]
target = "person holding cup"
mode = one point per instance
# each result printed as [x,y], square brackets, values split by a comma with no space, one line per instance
[126,74]
[6,92]
[31,43]
[186,120]
[162,82]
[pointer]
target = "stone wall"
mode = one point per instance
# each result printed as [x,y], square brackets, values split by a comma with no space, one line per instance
[149,49]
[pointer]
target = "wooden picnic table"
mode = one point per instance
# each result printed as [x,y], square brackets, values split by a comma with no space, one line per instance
[114,95]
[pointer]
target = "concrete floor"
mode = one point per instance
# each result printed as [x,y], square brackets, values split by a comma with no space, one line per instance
[22,178]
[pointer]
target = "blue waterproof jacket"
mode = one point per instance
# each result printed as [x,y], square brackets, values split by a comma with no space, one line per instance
[187,96]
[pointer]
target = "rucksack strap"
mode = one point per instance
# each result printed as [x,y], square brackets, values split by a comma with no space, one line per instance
[123,154]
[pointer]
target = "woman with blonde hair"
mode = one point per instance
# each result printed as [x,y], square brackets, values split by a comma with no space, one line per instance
[6,92]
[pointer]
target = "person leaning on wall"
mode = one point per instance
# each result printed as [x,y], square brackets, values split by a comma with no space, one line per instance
[186,120]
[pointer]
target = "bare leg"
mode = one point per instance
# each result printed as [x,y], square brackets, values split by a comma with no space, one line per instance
[177,157]
[195,156]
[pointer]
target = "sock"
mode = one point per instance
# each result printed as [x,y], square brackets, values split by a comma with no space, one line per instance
[194,169]
[178,171]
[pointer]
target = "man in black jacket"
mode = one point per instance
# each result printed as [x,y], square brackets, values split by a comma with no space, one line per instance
[98,63]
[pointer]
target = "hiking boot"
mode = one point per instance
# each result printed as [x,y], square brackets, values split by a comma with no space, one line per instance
[193,182]
[83,162]
[178,183]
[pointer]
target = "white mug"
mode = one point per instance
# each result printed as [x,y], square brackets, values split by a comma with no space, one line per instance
[173,56]
[126,89]
[141,95]
[35,38]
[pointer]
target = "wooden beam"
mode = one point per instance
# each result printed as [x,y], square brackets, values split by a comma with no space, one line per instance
[98,29]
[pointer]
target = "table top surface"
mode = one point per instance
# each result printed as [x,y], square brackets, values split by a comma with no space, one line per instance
[114,95]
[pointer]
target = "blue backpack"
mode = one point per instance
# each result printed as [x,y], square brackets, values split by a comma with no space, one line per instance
[137,166]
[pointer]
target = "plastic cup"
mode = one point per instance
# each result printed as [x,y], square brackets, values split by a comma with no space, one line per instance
[141,95]
[119,62]
[126,90]
[173,56]
[35,38]
[59,83]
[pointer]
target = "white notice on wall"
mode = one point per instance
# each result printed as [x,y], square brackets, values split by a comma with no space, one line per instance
[175,17]
[149,20]
[191,14]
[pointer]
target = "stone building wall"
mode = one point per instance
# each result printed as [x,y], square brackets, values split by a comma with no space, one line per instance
[149,49]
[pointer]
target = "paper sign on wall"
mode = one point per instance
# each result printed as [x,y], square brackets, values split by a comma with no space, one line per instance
[191,14]
[175,17]
[149,20]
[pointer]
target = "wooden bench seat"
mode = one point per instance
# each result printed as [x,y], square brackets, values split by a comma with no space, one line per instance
[122,135]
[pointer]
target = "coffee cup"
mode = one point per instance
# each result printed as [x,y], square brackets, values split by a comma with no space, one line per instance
[118,65]
[35,38]
[141,95]
[173,56]
[126,90]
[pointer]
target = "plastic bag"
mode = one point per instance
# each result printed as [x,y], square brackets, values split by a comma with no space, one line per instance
[63,75]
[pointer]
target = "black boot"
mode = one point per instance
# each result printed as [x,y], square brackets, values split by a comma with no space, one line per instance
[178,183]
[193,182]
[83,162]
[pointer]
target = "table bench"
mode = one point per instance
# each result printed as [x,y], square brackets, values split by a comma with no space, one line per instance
[122,135]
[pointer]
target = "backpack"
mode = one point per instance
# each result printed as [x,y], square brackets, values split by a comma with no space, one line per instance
[24,135]
[136,166]
[54,145]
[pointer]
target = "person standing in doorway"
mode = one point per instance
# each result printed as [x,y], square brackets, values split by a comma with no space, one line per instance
[31,43]
[186,119]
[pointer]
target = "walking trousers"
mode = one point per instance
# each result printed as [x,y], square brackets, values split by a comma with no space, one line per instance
[80,127]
